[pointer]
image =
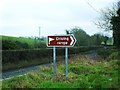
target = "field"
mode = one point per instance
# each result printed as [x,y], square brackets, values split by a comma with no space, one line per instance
[21,39]
[12,43]
[83,73]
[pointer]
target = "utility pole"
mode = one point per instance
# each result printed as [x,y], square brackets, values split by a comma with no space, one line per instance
[39,33]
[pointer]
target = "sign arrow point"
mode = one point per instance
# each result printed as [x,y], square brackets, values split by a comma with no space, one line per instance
[72,40]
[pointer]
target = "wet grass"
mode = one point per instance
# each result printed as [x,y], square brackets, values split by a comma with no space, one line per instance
[83,73]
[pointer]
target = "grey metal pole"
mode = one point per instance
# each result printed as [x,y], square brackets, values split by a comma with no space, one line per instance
[66,61]
[39,33]
[54,60]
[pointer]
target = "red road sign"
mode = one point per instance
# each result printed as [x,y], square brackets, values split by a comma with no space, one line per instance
[61,41]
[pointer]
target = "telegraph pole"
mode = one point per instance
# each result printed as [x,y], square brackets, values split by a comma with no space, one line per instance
[39,33]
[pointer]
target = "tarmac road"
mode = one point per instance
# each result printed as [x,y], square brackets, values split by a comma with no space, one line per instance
[19,72]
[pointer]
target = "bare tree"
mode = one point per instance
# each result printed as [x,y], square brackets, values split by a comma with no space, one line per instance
[104,22]
[110,20]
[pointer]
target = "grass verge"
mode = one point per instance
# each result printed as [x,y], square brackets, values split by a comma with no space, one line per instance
[83,73]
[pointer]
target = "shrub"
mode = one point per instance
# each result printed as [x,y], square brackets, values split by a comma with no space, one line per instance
[22,45]
[8,45]
[105,52]
[15,56]
[40,45]
[115,55]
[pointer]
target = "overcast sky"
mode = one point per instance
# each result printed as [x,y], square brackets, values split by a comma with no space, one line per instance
[24,17]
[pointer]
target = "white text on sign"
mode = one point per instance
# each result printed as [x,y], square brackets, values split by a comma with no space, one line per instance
[62,38]
[63,43]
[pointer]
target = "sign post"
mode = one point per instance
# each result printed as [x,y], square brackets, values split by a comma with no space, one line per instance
[66,62]
[54,60]
[61,41]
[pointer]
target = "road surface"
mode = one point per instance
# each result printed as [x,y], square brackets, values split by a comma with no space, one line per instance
[18,72]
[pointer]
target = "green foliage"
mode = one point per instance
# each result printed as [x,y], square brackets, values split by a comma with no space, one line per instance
[12,59]
[77,50]
[80,35]
[21,45]
[83,39]
[18,43]
[21,55]
[15,56]
[83,73]
[8,45]
[110,20]
[104,52]
[96,39]
[115,55]
[108,52]
[40,45]
[110,41]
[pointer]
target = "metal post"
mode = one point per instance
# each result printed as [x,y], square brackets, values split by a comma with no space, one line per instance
[39,33]
[66,62]
[54,60]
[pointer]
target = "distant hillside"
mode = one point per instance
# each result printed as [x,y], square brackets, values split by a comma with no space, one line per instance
[12,43]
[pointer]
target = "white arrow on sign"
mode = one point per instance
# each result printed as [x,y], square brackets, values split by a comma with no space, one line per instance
[51,39]
[72,40]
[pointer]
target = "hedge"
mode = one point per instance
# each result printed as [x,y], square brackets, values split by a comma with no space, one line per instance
[15,56]
[114,55]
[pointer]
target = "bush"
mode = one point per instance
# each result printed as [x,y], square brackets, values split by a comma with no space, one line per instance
[104,52]
[77,50]
[40,45]
[22,45]
[15,56]
[107,51]
[115,55]
[9,45]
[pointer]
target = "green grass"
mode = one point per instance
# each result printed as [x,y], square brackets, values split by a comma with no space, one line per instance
[83,73]
[22,39]
[29,41]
